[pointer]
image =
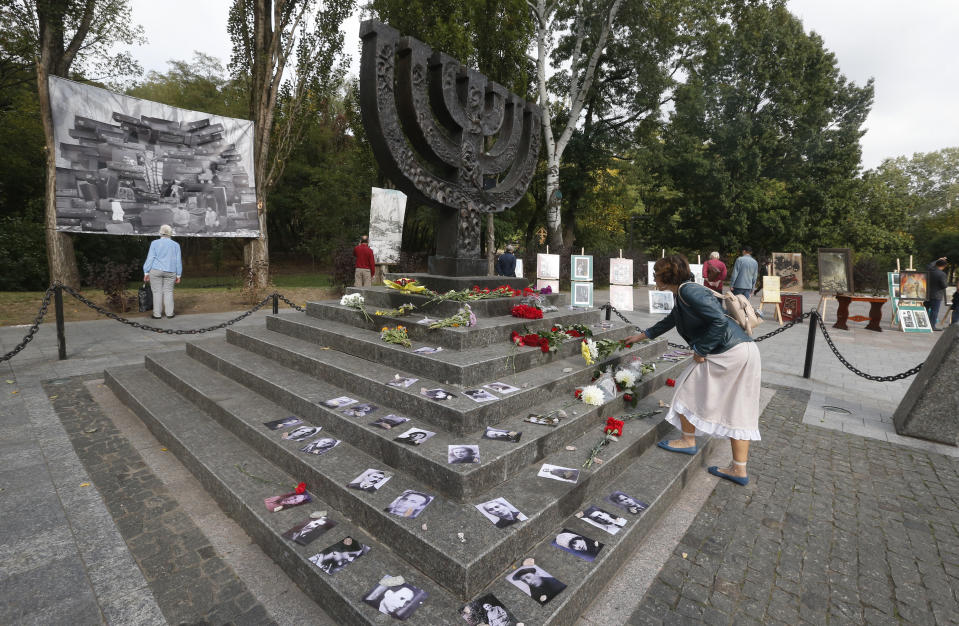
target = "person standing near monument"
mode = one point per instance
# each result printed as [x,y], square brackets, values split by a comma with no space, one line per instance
[365,263]
[506,263]
[745,271]
[714,272]
[937,290]
[162,270]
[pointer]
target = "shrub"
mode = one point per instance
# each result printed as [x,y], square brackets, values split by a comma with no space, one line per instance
[112,277]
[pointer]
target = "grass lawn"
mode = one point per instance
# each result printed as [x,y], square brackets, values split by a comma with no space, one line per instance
[193,295]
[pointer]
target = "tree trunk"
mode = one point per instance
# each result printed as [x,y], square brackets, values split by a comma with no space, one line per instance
[490,245]
[554,203]
[61,260]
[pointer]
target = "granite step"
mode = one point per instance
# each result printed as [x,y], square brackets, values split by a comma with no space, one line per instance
[386,298]
[211,452]
[468,367]
[459,415]
[225,399]
[485,554]
[488,330]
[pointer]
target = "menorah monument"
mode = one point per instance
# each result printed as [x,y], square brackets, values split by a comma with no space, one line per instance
[447,137]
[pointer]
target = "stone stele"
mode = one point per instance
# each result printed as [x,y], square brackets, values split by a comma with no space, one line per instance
[930,409]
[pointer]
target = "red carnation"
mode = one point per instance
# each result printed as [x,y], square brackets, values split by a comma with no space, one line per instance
[578,393]
[532,339]
[544,346]
[628,397]
[670,382]
[554,329]
[301,488]
[614,426]
[514,337]
[574,333]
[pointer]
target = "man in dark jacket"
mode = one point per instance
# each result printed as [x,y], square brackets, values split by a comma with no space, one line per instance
[506,263]
[937,290]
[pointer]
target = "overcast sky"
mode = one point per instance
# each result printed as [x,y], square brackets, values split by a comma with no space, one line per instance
[907,47]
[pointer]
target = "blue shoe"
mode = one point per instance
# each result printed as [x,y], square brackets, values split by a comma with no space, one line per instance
[739,480]
[664,444]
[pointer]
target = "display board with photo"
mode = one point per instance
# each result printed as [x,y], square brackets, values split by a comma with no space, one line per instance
[621,272]
[463,453]
[788,267]
[621,297]
[547,266]
[487,610]
[556,472]
[415,436]
[306,531]
[339,555]
[536,582]
[398,601]
[791,306]
[500,512]
[387,211]
[660,302]
[501,434]
[582,294]
[126,166]
[286,422]
[835,271]
[604,520]
[581,267]
[913,285]
[577,544]
[409,504]
[771,291]
[650,274]
[370,480]
[697,271]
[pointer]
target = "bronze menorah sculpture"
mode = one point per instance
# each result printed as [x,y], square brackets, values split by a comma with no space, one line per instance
[446,136]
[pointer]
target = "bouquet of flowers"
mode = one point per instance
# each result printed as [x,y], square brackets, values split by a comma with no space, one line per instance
[400,311]
[574,330]
[611,432]
[595,350]
[526,311]
[355,301]
[406,285]
[546,340]
[396,335]
[464,317]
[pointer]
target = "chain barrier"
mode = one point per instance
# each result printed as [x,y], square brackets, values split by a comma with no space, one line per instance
[33,327]
[301,309]
[857,372]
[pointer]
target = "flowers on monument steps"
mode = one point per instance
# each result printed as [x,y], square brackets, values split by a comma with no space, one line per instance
[614,426]
[300,488]
[526,311]
[406,285]
[578,394]
[593,395]
[670,382]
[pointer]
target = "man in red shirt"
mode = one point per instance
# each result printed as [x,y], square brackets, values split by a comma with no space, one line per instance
[365,264]
[714,273]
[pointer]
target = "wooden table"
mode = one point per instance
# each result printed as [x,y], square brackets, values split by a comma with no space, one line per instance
[875,312]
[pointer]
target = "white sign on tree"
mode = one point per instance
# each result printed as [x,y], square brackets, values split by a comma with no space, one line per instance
[387,211]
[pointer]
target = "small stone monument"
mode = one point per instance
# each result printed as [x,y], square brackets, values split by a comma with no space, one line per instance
[930,409]
[446,136]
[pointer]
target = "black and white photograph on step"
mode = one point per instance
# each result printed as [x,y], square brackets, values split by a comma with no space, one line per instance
[401,381]
[565,474]
[308,530]
[359,410]
[286,501]
[398,601]
[286,422]
[479,395]
[487,610]
[370,480]
[604,520]
[301,433]
[428,350]
[500,434]
[320,446]
[502,388]
[500,512]
[409,504]
[627,502]
[339,555]
[335,403]
[415,436]
[464,453]
[536,582]
[439,395]
[578,545]
[389,421]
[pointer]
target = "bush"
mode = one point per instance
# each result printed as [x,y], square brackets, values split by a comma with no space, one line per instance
[23,255]
[112,278]
[344,267]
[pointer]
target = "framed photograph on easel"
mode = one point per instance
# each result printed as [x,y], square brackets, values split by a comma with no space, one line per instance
[835,271]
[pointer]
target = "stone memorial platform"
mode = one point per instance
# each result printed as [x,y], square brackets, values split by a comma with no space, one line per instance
[208,405]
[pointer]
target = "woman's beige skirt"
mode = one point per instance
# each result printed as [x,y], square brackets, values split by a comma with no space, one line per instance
[720,396]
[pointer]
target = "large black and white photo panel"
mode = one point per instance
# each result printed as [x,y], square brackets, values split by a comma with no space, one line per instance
[126,166]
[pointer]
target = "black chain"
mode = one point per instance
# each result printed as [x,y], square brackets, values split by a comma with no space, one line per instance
[166,331]
[301,309]
[851,368]
[33,327]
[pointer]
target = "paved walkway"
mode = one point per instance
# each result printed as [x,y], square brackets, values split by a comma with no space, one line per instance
[64,559]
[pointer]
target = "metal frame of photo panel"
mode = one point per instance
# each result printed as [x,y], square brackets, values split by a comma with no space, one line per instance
[574,275]
[578,302]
